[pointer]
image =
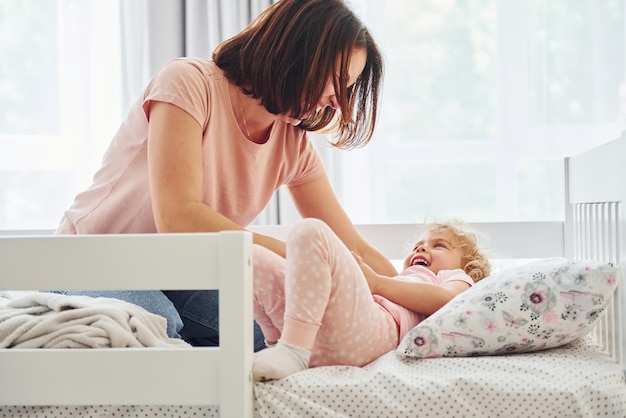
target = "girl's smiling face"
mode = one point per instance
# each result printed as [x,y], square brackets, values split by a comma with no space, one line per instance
[436,252]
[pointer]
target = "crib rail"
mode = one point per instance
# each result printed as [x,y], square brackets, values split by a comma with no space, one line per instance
[595,187]
[596,236]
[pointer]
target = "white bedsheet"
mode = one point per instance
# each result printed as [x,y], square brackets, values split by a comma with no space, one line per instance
[574,381]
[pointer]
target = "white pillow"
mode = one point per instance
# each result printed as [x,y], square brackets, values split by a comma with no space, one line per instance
[535,306]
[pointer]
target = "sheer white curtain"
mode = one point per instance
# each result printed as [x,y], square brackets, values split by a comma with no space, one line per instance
[482,100]
[59,103]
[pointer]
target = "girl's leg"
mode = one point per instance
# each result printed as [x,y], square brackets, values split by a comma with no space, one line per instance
[269,292]
[329,308]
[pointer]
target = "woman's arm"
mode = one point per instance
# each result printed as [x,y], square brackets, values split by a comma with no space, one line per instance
[425,298]
[316,199]
[175,165]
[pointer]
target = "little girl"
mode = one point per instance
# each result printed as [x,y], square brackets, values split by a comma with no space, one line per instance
[333,309]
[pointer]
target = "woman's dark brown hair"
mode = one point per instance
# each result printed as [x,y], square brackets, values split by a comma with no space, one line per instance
[286,56]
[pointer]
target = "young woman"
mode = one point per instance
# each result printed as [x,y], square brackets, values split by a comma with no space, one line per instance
[332,308]
[209,141]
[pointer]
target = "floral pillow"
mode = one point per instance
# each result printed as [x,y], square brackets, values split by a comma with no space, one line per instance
[535,306]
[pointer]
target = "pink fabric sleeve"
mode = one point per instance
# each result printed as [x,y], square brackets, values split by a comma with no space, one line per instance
[182,83]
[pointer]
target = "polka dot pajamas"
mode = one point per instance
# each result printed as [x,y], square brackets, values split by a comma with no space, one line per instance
[324,292]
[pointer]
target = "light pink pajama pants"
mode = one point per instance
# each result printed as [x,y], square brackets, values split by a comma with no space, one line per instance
[319,297]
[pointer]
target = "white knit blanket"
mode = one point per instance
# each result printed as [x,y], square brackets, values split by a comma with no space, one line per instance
[50,320]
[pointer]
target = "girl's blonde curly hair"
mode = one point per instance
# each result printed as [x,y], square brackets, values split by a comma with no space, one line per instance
[464,236]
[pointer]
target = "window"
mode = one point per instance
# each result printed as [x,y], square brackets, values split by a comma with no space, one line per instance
[60,84]
[482,101]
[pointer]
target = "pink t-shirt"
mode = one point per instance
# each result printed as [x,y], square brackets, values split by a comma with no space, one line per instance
[239,176]
[406,318]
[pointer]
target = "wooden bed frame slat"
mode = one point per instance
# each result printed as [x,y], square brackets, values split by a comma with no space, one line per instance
[127,377]
[109,262]
[535,239]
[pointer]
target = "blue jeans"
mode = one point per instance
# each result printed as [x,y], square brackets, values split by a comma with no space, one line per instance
[192,315]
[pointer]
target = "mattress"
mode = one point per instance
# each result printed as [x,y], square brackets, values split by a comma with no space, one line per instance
[576,380]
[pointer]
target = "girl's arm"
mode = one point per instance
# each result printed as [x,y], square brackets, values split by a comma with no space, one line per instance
[424,298]
[175,165]
[316,199]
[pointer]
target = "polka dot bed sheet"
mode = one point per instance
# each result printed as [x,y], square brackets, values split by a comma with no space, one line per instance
[577,380]
[574,381]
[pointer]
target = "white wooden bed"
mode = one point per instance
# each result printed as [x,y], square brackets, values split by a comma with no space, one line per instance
[148,381]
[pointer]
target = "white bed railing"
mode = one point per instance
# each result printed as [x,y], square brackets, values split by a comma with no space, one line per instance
[595,223]
[595,228]
[522,240]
